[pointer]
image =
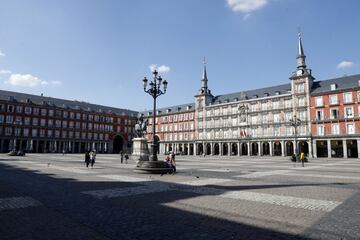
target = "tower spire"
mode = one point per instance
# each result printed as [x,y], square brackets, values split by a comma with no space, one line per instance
[300,58]
[204,80]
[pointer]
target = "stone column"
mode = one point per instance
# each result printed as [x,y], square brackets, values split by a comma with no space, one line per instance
[314,149]
[271,148]
[345,148]
[310,149]
[283,148]
[260,149]
[249,148]
[329,148]
[194,149]
[229,147]
[358,147]
[221,149]
[212,149]
[294,146]
[238,147]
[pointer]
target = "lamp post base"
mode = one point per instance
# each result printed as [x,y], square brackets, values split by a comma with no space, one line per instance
[155,167]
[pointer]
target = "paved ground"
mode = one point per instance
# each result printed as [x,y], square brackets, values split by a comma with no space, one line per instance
[56,197]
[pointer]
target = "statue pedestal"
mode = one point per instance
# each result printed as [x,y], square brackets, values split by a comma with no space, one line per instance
[140,150]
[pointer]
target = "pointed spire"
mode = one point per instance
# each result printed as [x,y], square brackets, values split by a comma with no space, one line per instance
[300,54]
[300,47]
[204,80]
[204,76]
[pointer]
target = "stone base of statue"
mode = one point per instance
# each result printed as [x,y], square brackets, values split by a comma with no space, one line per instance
[140,150]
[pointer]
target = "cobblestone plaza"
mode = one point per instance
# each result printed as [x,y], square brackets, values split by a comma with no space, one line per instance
[217,197]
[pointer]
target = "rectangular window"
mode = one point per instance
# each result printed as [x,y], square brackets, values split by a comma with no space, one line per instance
[10,108]
[301,102]
[320,130]
[319,101]
[319,115]
[277,131]
[9,119]
[335,129]
[333,99]
[51,113]
[2,118]
[34,132]
[300,88]
[26,132]
[334,113]
[35,121]
[275,104]
[43,112]
[350,128]
[276,118]
[36,111]
[19,109]
[288,103]
[349,113]
[43,122]
[288,116]
[348,97]
[27,110]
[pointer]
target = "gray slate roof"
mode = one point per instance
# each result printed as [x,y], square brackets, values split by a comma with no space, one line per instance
[249,94]
[346,82]
[62,103]
[173,109]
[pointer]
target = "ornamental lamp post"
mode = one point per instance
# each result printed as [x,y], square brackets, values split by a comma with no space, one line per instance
[155,91]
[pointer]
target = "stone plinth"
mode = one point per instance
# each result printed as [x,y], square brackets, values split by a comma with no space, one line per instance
[140,150]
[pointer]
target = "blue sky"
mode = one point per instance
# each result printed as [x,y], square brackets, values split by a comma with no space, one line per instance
[99,50]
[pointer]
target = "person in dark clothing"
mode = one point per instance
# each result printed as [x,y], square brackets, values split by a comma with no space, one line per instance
[87,158]
[122,156]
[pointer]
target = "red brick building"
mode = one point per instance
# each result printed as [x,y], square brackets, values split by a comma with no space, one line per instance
[335,114]
[44,124]
[175,129]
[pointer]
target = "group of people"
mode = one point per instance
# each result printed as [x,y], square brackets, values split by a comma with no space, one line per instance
[170,160]
[124,156]
[90,157]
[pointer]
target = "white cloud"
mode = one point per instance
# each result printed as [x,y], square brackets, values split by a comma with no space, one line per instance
[246,6]
[344,64]
[161,69]
[2,54]
[152,67]
[4,71]
[25,80]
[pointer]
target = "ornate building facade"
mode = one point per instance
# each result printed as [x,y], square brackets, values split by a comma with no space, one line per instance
[274,121]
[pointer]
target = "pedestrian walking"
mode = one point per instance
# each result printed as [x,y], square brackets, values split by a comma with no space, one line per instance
[173,163]
[126,158]
[87,158]
[121,157]
[92,158]
[302,158]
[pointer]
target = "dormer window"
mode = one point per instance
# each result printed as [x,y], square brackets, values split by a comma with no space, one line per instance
[277,93]
[179,108]
[266,94]
[168,110]
[236,99]
[255,96]
[333,86]
[188,107]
